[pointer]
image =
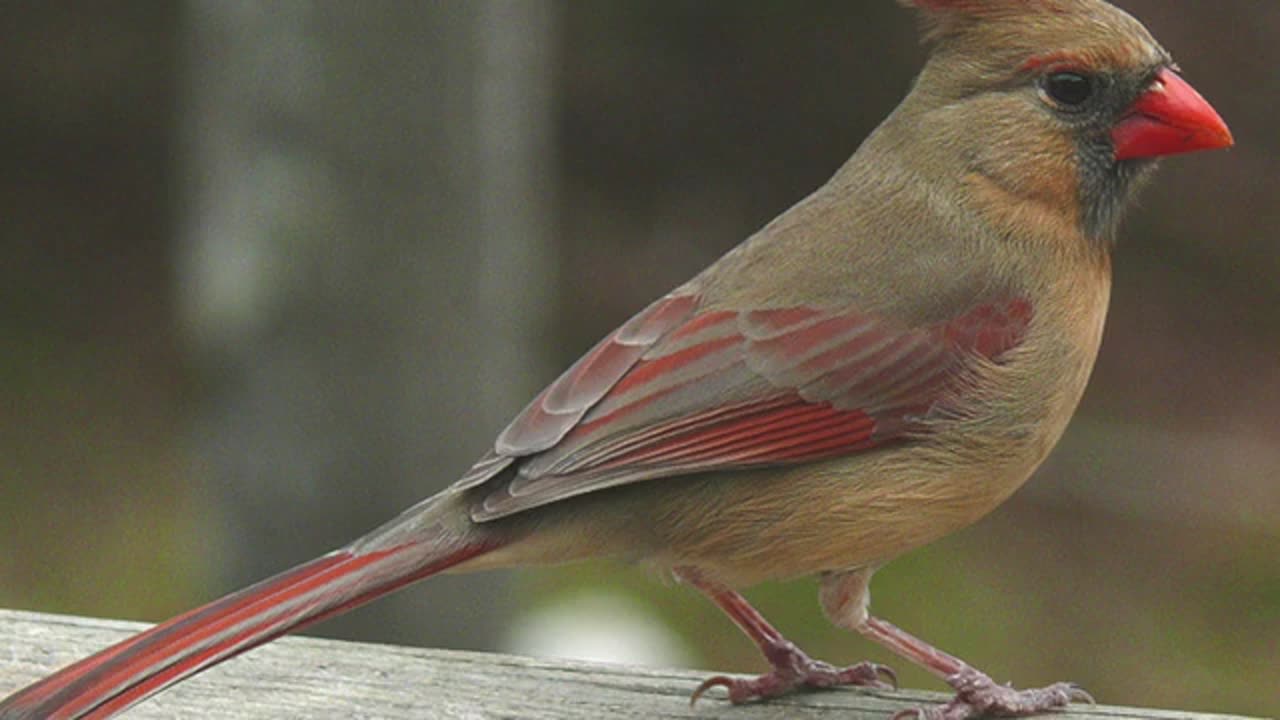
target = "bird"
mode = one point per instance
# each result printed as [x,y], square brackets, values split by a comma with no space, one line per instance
[882,364]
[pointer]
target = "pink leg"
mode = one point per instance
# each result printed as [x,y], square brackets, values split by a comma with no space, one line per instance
[977,695]
[792,668]
[906,645]
[844,597]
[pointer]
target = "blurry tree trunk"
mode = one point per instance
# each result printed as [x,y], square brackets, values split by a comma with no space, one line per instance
[365,271]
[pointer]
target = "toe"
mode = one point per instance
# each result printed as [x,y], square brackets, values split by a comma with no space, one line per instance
[868,674]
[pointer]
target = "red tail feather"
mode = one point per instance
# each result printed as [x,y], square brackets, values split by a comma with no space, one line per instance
[132,670]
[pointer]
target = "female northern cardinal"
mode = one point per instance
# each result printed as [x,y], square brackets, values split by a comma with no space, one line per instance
[879,366]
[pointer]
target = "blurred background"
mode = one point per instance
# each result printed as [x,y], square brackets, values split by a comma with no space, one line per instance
[270,272]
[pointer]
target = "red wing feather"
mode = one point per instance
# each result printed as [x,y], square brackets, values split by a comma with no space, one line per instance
[558,408]
[674,391]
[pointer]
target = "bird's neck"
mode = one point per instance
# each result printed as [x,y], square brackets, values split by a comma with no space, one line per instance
[1042,194]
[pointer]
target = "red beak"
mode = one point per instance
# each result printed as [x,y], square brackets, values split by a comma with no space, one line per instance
[1169,118]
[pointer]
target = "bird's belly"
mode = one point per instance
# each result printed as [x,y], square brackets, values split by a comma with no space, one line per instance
[850,512]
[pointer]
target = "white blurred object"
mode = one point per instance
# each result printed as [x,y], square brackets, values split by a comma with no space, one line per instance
[599,626]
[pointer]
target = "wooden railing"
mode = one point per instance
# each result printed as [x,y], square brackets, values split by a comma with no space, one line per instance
[302,677]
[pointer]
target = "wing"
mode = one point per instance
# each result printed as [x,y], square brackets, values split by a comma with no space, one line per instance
[676,390]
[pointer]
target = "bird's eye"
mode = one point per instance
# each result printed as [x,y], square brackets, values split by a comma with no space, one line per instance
[1069,89]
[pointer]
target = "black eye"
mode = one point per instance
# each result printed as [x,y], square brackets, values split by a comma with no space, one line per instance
[1069,89]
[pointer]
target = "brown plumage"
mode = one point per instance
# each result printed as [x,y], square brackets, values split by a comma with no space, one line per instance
[882,364]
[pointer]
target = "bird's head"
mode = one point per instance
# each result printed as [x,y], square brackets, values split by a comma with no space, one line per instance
[1062,103]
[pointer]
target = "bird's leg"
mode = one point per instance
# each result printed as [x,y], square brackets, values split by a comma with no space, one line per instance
[977,695]
[792,668]
[845,597]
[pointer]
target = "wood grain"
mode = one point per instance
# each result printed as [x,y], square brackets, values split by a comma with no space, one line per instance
[302,677]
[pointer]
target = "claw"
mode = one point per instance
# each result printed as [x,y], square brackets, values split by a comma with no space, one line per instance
[1079,694]
[723,681]
[868,674]
[891,677]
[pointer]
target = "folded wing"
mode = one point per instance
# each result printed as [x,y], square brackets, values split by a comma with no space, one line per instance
[677,390]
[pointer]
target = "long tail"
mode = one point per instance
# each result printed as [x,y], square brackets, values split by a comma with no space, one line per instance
[110,681]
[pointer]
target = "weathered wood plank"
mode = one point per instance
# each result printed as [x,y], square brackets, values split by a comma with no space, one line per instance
[301,677]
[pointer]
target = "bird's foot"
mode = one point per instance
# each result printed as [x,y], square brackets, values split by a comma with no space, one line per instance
[792,670]
[977,696]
